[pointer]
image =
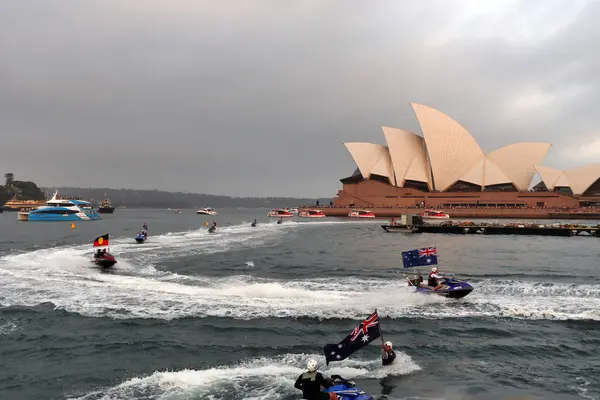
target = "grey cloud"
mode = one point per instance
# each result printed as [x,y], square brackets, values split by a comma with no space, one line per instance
[257,98]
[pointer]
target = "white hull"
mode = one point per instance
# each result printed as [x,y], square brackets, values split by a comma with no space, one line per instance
[206,212]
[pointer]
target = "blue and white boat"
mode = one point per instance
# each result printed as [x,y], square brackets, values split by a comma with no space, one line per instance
[57,209]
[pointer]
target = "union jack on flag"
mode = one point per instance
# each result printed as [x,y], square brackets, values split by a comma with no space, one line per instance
[425,256]
[427,252]
[372,320]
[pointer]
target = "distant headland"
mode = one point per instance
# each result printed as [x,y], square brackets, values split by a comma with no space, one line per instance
[133,198]
[24,190]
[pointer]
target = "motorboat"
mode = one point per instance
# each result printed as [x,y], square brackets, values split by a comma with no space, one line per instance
[276,212]
[346,389]
[104,260]
[59,209]
[102,257]
[433,214]
[294,210]
[447,284]
[311,214]
[451,287]
[359,213]
[206,211]
[141,237]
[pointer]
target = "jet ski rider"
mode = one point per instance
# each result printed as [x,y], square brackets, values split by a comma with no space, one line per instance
[434,279]
[387,354]
[310,383]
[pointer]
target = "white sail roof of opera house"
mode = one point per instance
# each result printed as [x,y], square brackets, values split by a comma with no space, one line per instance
[372,158]
[407,151]
[578,179]
[447,154]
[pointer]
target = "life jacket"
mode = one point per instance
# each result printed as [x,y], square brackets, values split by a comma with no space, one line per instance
[432,281]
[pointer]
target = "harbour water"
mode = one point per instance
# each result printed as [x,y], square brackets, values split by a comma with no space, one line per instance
[235,315]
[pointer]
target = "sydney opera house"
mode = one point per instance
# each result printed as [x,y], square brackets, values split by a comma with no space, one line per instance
[446,168]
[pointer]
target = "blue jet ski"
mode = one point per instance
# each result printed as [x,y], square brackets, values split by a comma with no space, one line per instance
[140,238]
[451,287]
[346,390]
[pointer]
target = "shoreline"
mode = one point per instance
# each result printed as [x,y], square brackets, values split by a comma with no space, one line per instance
[499,213]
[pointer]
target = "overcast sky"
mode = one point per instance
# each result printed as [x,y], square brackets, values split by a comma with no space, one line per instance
[256,98]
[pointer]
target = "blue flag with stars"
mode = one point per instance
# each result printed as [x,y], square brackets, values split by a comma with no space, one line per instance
[419,257]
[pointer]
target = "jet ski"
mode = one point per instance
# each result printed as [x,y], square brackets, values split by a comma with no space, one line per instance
[451,287]
[140,238]
[253,224]
[346,390]
[280,221]
[104,260]
[212,229]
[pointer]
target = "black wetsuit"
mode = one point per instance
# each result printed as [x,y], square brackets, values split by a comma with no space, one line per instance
[310,383]
[388,357]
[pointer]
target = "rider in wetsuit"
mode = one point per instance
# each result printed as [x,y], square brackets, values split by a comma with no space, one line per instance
[387,354]
[310,383]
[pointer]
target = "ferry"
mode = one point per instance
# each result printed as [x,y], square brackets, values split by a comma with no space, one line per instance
[15,205]
[361,214]
[311,214]
[276,212]
[58,209]
[206,211]
[433,214]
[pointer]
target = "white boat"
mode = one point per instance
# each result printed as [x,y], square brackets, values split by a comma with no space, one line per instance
[361,214]
[206,211]
[433,214]
[276,212]
[311,214]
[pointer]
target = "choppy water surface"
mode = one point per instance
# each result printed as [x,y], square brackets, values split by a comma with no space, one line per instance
[235,315]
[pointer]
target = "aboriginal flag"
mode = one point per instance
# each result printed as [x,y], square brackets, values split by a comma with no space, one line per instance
[363,334]
[101,241]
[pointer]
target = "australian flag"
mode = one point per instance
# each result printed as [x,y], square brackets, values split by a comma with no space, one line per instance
[419,257]
[363,334]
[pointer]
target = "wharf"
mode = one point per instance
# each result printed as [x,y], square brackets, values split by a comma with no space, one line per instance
[472,213]
[485,229]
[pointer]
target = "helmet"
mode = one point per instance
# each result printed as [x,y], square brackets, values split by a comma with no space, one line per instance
[311,365]
[388,343]
[434,269]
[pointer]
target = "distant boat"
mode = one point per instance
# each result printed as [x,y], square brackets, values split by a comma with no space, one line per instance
[15,205]
[361,214]
[311,214]
[279,213]
[433,214]
[105,206]
[59,209]
[206,211]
